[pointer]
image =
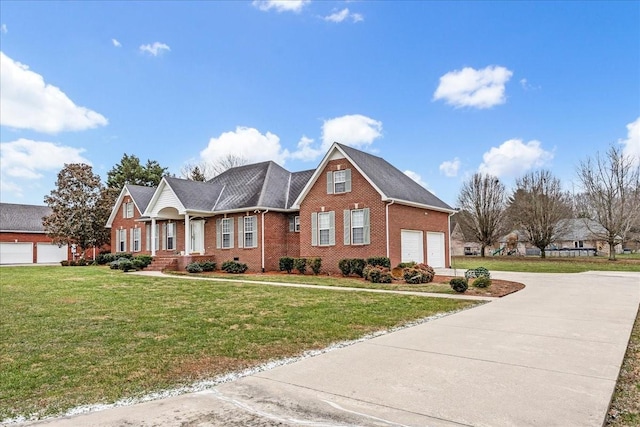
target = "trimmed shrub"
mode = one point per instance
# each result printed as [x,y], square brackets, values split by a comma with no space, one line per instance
[481,282]
[300,264]
[477,272]
[207,265]
[316,265]
[459,284]
[194,267]
[404,265]
[143,260]
[380,261]
[105,258]
[357,266]
[286,264]
[345,266]
[234,267]
[125,265]
[420,273]
[64,263]
[377,274]
[81,262]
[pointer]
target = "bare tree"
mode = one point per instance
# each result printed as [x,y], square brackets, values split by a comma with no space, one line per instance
[611,194]
[204,170]
[482,198]
[537,205]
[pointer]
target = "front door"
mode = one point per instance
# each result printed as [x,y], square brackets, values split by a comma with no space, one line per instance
[197,236]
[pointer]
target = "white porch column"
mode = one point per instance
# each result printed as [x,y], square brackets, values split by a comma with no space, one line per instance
[187,234]
[153,236]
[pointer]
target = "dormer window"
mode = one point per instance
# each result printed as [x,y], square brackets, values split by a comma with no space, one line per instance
[339,181]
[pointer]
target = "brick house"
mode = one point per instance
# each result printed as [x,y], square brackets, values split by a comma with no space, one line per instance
[353,205]
[23,239]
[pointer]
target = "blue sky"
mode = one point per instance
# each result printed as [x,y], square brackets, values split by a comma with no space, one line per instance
[439,89]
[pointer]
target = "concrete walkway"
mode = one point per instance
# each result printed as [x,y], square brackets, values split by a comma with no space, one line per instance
[548,355]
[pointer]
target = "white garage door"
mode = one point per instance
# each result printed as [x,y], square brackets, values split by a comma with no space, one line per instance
[411,246]
[435,250]
[50,253]
[16,253]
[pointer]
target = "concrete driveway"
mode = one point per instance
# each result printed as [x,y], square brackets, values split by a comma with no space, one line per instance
[548,355]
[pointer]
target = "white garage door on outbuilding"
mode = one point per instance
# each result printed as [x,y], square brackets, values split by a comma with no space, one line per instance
[435,250]
[51,253]
[16,253]
[411,246]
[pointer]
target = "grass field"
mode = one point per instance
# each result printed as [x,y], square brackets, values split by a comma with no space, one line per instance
[81,335]
[548,265]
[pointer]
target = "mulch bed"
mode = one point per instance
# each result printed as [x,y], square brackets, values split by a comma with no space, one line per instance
[498,288]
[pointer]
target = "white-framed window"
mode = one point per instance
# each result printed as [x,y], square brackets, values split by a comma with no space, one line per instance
[227,227]
[579,244]
[127,210]
[170,237]
[356,227]
[249,231]
[135,239]
[324,228]
[294,224]
[339,181]
[121,240]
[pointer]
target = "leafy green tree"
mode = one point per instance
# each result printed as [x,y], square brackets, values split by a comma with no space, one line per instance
[131,171]
[80,207]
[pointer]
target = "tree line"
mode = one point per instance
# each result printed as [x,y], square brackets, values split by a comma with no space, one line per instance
[609,195]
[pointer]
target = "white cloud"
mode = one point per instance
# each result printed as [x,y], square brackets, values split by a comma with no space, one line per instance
[305,151]
[354,130]
[417,178]
[513,157]
[155,49]
[27,102]
[3,29]
[450,167]
[342,15]
[116,43]
[474,88]
[247,143]
[280,5]
[25,160]
[632,143]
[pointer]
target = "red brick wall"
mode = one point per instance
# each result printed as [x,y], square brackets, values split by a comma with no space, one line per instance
[361,193]
[403,217]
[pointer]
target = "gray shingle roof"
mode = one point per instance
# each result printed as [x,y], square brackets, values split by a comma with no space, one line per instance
[391,181]
[14,217]
[195,195]
[298,181]
[576,229]
[141,195]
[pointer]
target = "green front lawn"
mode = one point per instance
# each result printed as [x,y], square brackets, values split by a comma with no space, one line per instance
[548,265]
[82,335]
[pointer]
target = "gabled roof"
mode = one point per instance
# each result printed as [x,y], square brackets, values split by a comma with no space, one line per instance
[140,195]
[22,218]
[576,229]
[194,195]
[389,182]
[264,185]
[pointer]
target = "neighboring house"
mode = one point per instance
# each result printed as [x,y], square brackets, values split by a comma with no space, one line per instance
[461,244]
[23,239]
[581,234]
[353,205]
